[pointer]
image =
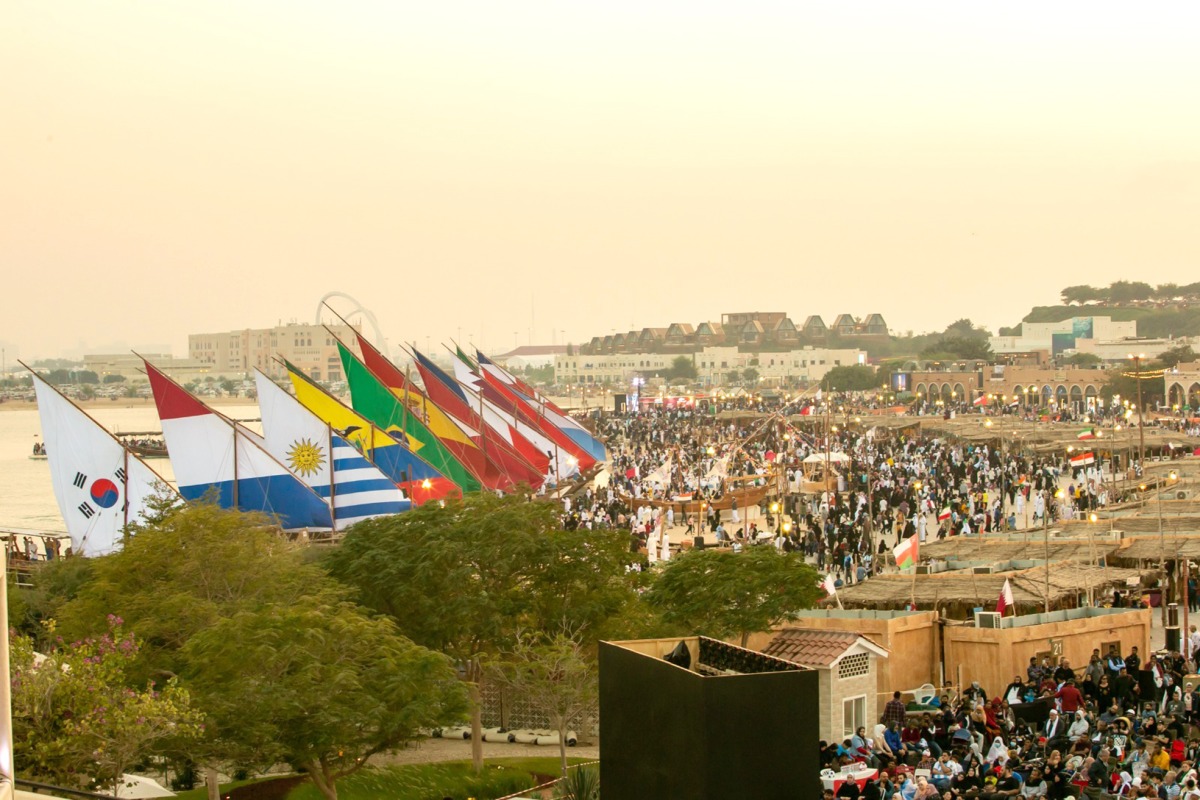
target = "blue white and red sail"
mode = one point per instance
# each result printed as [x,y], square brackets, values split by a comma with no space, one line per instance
[563,421]
[332,467]
[101,487]
[213,456]
[504,395]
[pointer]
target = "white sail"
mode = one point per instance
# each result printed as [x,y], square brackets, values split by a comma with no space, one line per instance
[318,456]
[100,485]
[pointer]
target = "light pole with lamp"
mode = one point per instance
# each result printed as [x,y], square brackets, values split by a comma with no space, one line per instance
[1141,409]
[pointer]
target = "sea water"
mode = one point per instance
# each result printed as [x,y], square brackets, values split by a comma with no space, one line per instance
[26,494]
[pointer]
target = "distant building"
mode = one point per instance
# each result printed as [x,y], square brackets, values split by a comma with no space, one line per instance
[312,348]
[800,365]
[132,368]
[748,330]
[1182,386]
[1058,337]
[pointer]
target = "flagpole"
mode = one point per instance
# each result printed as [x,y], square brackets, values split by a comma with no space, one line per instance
[7,774]
[332,472]
[125,493]
[235,466]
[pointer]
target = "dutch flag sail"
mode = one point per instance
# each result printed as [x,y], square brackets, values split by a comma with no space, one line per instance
[212,453]
[332,467]
[100,486]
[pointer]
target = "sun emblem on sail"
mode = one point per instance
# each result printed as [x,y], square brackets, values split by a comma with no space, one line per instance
[305,457]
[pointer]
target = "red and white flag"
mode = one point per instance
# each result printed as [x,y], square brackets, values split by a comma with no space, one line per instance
[944,514]
[1006,599]
[829,586]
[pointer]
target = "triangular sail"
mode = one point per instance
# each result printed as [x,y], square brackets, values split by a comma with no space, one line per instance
[211,453]
[419,480]
[355,488]
[377,403]
[101,487]
[563,421]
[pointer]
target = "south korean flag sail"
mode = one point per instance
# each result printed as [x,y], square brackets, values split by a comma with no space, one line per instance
[100,486]
[330,465]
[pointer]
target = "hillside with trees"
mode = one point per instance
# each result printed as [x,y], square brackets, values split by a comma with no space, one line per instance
[1168,309]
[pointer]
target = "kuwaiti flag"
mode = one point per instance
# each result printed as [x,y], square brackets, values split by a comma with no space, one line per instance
[330,465]
[1083,460]
[419,480]
[1006,599]
[210,452]
[1087,433]
[568,425]
[906,552]
[100,486]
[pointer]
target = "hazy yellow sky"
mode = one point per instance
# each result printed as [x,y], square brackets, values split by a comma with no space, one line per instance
[175,167]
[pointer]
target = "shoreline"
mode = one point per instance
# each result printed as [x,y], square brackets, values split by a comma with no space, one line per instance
[123,402]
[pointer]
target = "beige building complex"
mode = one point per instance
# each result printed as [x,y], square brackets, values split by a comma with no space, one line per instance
[713,365]
[310,347]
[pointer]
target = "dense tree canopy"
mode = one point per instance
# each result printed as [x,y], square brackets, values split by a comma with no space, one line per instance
[682,369]
[319,685]
[854,378]
[467,578]
[720,593]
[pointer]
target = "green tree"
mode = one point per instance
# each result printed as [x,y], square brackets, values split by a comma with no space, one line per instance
[733,376]
[682,369]
[319,685]
[1083,360]
[958,348]
[114,379]
[1079,294]
[182,573]
[554,676]
[720,593]
[466,578]
[750,375]
[1180,354]
[1167,291]
[77,722]
[854,378]
[964,329]
[1120,292]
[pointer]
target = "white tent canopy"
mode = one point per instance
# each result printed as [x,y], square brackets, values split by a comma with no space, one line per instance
[834,458]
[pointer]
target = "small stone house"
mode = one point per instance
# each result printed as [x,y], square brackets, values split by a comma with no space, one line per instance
[846,666]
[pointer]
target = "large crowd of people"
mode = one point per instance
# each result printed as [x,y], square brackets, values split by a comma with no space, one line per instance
[892,485]
[1123,724]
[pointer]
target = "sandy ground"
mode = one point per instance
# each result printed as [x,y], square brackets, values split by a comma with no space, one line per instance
[429,751]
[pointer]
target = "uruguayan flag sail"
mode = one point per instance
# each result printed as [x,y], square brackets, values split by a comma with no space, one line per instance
[210,453]
[100,486]
[330,465]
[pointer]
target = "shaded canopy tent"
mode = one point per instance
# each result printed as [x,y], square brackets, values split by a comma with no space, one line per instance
[1151,548]
[1144,524]
[964,549]
[956,593]
[816,479]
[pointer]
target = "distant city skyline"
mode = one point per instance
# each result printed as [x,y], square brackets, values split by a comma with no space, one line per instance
[544,172]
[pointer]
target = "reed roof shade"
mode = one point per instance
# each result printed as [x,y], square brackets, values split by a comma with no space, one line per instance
[1028,586]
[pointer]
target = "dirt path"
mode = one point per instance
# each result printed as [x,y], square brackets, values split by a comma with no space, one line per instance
[429,751]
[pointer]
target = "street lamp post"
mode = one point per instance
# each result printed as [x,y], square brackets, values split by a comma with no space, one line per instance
[1137,367]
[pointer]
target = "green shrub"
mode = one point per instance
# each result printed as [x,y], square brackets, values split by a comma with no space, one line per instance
[581,783]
